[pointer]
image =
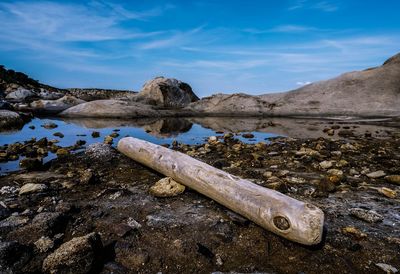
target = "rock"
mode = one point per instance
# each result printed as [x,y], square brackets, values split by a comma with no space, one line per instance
[13,257]
[49,95]
[55,106]
[167,92]
[376,174]
[369,216]
[100,152]
[31,163]
[58,134]
[326,164]
[10,119]
[108,140]
[390,193]
[133,223]
[12,222]
[307,151]
[44,244]
[32,188]
[62,152]
[388,269]
[393,179]
[167,187]
[86,176]
[351,230]
[113,109]
[79,255]
[95,134]
[21,94]
[248,135]
[49,125]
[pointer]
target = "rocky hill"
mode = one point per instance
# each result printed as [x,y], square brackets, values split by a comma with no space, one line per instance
[371,92]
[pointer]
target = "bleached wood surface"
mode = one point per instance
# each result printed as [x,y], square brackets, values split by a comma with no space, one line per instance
[290,218]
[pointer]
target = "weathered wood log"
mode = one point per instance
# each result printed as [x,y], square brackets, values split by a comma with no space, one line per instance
[292,219]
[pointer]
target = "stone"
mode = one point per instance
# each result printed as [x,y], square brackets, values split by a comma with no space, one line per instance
[44,244]
[133,223]
[55,106]
[62,152]
[108,140]
[10,119]
[95,134]
[393,179]
[13,257]
[390,193]
[58,134]
[31,163]
[369,216]
[30,188]
[326,164]
[351,230]
[248,135]
[167,187]
[86,176]
[100,152]
[49,125]
[376,174]
[167,92]
[21,94]
[387,268]
[79,255]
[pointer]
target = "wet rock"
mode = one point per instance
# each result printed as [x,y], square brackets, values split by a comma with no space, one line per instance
[49,125]
[167,92]
[376,174]
[79,255]
[44,244]
[62,152]
[13,257]
[95,134]
[167,187]
[248,135]
[32,188]
[31,163]
[393,179]
[58,134]
[369,216]
[108,140]
[10,119]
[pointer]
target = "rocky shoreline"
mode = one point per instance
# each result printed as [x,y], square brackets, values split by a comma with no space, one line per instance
[95,210]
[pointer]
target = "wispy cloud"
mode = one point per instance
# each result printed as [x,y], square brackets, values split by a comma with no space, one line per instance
[326,6]
[283,29]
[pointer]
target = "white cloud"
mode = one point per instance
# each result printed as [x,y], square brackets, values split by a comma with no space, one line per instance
[300,83]
[326,6]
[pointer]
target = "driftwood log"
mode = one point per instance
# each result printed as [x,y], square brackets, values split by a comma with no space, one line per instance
[292,219]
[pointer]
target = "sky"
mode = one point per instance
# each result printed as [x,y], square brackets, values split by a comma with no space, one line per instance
[222,46]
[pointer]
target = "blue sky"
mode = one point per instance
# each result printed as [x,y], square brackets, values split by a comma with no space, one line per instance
[215,46]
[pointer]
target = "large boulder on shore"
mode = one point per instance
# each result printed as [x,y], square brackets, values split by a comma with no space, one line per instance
[111,109]
[21,94]
[10,119]
[167,92]
[55,106]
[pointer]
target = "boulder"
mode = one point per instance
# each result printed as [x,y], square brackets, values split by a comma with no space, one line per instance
[55,106]
[111,109]
[21,94]
[79,255]
[10,119]
[167,92]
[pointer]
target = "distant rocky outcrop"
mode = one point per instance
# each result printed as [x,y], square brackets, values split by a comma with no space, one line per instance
[55,106]
[167,92]
[371,92]
[91,94]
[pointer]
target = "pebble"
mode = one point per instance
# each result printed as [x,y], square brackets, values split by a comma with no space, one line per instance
[387,268]
[351,230]
[326,164]
[390,193]
[95,134]
[369,216]
[133,223]
[167,187]
[58,134]
[44,244]
[393,179]
[49,125]
[376,174]
[32,188]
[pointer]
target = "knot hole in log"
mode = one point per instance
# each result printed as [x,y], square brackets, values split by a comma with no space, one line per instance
[281,223]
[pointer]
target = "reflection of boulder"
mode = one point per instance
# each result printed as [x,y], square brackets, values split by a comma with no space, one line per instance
[168,127]
[167,92]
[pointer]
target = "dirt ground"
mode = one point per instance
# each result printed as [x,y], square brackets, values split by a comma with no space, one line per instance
[100,190]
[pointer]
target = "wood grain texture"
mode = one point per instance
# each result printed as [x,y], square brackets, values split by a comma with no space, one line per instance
[292,219]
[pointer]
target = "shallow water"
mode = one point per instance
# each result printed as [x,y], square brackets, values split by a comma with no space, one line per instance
[183,130]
